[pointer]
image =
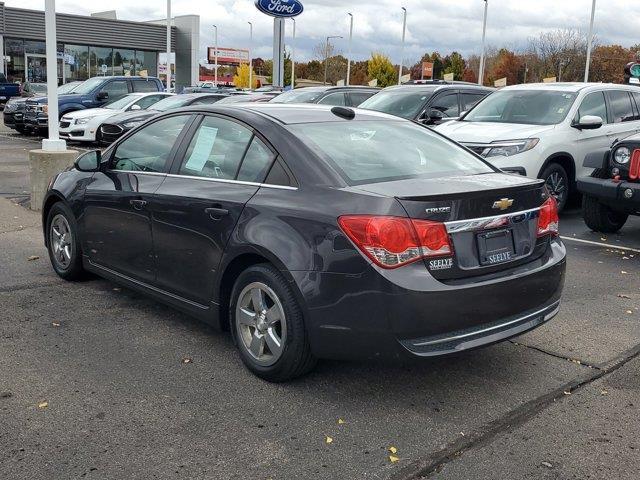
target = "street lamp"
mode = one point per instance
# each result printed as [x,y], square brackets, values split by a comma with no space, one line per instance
[404,31]
[484,33]
[168,45]
[350,39]
[590,40]
[53,143]
[326,56]
[250,59]
[215,56]
[293,52]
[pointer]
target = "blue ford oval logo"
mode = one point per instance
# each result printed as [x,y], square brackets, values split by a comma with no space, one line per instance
[280,8]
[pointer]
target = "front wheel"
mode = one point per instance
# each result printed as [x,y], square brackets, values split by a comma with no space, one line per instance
[557,181]
[600,217]
[268,325]
[63,243]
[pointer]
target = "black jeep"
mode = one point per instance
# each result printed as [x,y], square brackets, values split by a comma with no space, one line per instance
[612,192]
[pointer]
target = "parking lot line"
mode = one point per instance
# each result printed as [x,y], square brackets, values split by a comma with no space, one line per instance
[600,244]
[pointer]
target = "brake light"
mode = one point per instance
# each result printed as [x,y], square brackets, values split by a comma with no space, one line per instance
[548,220]
[634,168]
[392,242]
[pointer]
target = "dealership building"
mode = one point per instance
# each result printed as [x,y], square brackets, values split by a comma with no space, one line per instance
[95,45]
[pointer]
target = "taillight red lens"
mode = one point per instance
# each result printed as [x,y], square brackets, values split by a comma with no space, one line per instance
[391,242]
[548,220]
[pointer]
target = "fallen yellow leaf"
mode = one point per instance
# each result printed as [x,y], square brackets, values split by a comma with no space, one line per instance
[328,440]
[340,421]
[55,324]
[393,459]
[393,450]
[43,404]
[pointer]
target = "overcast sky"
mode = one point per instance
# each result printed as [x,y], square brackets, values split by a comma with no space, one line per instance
[440,25]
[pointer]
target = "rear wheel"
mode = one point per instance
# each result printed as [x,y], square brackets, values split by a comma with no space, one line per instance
[268,325]
[63,244]
[557,181]
[600,217]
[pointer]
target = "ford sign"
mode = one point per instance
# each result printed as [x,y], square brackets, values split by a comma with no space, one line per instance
[280,8]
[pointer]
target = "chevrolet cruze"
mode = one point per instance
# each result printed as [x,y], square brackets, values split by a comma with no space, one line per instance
[312,232]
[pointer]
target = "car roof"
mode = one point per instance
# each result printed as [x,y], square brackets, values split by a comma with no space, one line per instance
[290,114]
[574,87]
[433,87]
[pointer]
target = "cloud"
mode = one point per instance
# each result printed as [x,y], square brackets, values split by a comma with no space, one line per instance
[432,25]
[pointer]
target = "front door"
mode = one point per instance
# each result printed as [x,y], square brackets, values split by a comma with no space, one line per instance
[118,201]
[215,174]
[588,141]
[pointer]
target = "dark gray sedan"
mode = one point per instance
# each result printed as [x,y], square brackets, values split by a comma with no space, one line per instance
[312,232]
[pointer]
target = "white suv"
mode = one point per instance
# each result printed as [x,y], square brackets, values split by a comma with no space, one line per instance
[546,130]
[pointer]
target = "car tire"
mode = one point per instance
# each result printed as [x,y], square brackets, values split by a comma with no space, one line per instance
[63,243]
[267,323]
[557,181]
[600,217]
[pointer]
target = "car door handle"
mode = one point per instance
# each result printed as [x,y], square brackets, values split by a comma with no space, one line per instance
[138,204]
[216,213]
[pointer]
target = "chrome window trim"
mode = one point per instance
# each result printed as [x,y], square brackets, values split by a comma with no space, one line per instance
[482,223]
[208,179]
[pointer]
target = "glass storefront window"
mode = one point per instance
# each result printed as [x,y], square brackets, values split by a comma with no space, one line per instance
[99,56]
[14,51]
[76,62]
[124,62]
[147,61]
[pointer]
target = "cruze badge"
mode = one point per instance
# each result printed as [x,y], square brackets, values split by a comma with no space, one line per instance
[503,203]
[438,210]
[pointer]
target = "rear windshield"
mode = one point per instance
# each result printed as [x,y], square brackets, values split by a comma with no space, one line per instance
[169,103]
[527,107]
[401,103]
[384,150]
[299,96]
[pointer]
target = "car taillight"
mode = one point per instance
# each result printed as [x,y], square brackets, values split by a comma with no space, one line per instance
[548,220]
[392,242]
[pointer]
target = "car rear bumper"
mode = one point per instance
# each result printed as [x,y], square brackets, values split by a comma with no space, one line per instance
[623,196]
[372,315]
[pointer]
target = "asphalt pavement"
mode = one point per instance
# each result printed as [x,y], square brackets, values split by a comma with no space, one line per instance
[97,381]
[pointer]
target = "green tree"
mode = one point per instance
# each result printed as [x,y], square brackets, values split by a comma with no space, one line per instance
[454,63]
[381,68]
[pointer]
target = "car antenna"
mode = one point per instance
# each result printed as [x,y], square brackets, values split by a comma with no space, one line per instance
[344,112]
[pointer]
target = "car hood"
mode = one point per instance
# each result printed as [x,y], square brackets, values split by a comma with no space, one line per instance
[487,132]
[91,112]
[127,117]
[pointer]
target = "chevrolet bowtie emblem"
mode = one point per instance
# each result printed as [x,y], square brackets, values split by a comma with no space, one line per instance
[503,203]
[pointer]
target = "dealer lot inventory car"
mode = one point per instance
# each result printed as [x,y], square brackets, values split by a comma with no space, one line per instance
[84,125]
[612,192]
[546,130]
[336,96]
[430,103]
[313,232]
[119,124]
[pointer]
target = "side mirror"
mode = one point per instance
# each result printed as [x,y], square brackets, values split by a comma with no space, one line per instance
[588,122]
[89,161]
[435,115]
[135,107]
[102,96]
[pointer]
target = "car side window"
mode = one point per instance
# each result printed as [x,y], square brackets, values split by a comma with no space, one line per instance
[593,104]
[256,163]
[116,89]
[358,97]
[216,149]
[336,99]
[448,105]
[470,100]
[636,97]
[621,107]
[148,149]
[146,102]
[144,86]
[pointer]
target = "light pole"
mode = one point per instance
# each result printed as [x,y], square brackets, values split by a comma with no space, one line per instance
[293,52]
[168,45]
[215,56]
[590,42]
[250,58]
[326,56]
[404,31]
[53,143]
[484,34]
[350,40]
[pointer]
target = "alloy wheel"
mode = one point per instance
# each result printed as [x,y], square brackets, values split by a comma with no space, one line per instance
[61,241]
[557,186]
[261,323]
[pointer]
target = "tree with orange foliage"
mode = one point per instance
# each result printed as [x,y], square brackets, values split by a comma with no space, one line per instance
[607,63]
[508,65]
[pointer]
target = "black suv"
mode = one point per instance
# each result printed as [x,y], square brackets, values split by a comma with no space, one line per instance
[428,102]
[612,192]
[328,95]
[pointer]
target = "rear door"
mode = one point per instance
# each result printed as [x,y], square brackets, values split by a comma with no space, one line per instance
[336,99]
[357,97]
[447,103]
[217,170]
[621,115]
[469,99]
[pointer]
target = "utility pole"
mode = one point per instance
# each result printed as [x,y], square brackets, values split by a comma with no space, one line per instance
[215,56]
[484,35]
[350,41]
[53,143]
[590,42]
[168,45]
[293,52]
[404,32]
[250,58]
